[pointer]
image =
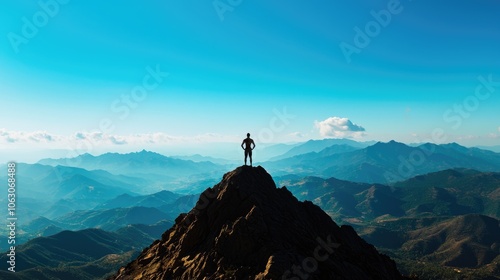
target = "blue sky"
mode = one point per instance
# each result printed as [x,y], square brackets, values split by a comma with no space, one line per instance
[237,69]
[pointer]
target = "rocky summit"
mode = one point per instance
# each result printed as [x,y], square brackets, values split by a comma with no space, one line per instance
[246,228]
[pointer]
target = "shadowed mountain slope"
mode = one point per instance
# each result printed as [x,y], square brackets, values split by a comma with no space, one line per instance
[465,241]
[246,228]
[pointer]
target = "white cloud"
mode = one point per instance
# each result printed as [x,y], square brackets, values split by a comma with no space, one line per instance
[99,138]
[296,134]
[499,129]
[493,136]
[21,136]
[117,140]
[468,137]
[337,127]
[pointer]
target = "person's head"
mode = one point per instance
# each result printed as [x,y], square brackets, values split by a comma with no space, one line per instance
[248,134]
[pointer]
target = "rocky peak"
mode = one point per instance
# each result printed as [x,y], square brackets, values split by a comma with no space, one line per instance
[246,228]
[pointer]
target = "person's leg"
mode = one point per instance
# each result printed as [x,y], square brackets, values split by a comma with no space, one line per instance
[246,155]
[250,154]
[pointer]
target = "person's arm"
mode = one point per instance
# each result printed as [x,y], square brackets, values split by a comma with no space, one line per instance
[242,144]
[253,144]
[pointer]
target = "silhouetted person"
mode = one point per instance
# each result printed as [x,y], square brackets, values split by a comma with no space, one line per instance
[248,142]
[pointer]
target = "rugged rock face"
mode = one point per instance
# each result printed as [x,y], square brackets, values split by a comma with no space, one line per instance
[246,228]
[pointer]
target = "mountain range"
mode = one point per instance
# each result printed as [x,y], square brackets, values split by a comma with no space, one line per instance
[143,164]
[62,182]
[112,219]
[115,213]
[445,193]
[153,200]
[367,162]
[86,254]
[458,247]
[465,241]
[315,146]
[246,228]
[385,163]
[431,224]
[413,202]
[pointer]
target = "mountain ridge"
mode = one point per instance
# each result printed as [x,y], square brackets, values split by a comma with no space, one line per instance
[244,227]
[465,241]
[443,193]
[387,163]
[137,164]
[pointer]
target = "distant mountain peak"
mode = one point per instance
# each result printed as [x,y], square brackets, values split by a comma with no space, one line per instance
[380,143]
[392,145]
[136,164]
[144,151]
[87,155]
[246,228]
